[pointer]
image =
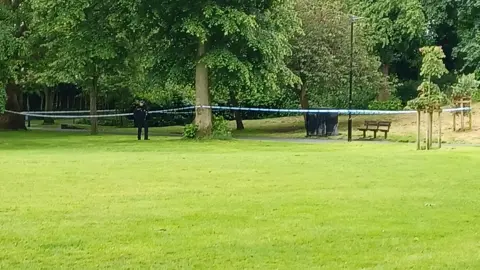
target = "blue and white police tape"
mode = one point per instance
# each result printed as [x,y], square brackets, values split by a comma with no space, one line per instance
[183,110]
[68,112]
[167,111]
[313,111]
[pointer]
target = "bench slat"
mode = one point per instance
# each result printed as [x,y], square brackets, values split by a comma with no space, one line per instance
[375,126]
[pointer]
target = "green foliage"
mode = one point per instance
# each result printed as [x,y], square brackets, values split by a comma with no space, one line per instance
[393,104]
[190,131]
[83,41]
[476,96]
[430,96]
[247,43]
[321,57]
[221,129]
[407,90]
[393,25]
[466,86]
[14,50]
[468,28]
[3,98]
[432,63]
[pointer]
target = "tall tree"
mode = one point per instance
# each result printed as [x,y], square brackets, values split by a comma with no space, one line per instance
[396,28]
[442,28]
[245,41]
[469,32]
[7,48]
[13,54]
[89,40]
[321,57]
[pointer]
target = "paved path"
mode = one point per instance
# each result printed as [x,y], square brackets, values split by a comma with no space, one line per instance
[289,140]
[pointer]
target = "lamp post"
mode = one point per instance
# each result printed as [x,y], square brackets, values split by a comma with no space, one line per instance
[353,19]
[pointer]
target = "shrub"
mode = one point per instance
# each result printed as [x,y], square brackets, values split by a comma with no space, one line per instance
[220,129]
[190,131]
[476,96]
[467,86]
[430,97]
[3,99]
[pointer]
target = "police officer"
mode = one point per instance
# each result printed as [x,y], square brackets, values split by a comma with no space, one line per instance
[140,115]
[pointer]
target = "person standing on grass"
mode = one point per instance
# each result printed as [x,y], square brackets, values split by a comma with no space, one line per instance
[140,117]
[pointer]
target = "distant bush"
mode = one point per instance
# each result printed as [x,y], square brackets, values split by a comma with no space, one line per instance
[393,104]
[220,129]
[476,96]
[467,86]
[3,99]
[190,131]
[407,90]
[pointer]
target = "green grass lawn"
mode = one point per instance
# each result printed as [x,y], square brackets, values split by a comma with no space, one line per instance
[81,202]
[283,127]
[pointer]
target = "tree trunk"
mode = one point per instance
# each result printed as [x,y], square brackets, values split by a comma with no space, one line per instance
[59,102]
[384,94]
[28,110]
[49,96]
[13,90]
[93,106]
[41,101]
[21,100]
[203,117]
[303,99]
[8,120]
[237,114]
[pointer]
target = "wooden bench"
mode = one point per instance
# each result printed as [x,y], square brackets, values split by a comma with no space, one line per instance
[376,126]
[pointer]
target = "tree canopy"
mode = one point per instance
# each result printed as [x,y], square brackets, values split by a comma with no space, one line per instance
[240,53]
[321,57]
[238,45]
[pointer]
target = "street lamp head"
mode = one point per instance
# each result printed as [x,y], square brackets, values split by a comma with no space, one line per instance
[354,18]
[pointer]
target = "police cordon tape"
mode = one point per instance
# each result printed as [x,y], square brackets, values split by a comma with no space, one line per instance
[51,115]
[68,112]
[339,111]
[225,108]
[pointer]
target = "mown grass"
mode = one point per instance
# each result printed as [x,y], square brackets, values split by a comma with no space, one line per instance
[82,202]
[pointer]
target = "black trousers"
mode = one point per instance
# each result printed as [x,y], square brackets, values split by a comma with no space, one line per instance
[145,128]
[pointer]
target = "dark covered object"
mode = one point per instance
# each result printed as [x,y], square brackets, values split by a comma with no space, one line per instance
[321,124]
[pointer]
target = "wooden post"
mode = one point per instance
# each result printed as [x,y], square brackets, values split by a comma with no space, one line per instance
[462,119]
[427,134]
[431,129]
[439,129]
[419,136]
[28,109]
[454,122]
[470,117]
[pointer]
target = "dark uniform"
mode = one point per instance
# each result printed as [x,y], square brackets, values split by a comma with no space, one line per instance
[140,116]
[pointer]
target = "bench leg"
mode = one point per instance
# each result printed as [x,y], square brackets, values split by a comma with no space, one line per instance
[375,134]
[364,134]
[386,135]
